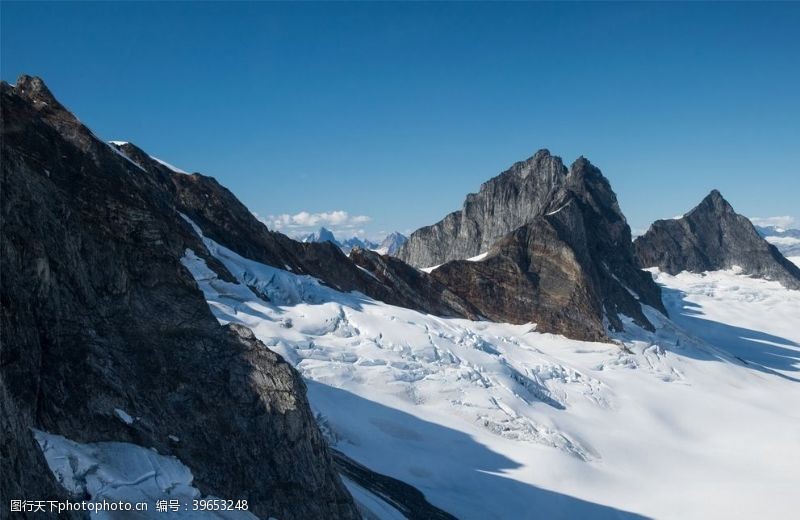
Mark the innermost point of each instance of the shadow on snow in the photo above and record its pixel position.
(755, 349)
(454, 471)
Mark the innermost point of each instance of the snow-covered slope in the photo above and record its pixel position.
(124, 473)
(700, 419)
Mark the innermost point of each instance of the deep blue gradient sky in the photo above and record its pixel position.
(396, 111)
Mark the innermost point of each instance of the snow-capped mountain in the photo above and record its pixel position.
(321, 235)
(525, 366)
(492, 421)
(391, 244)
(325, 235)
(786, 240)
(353, 242)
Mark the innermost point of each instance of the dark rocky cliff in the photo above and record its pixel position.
(549, 272)
(409, 287)
(713, 236)
(98, 313)
(504, 203)
(558, 249)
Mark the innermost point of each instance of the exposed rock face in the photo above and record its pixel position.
(98, 314)
(596, 229)
(503, 204)
(409, 287)
(564, 257)
(713, 236)
(547, 272)
(392, 243)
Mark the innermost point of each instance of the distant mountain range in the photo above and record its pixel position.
(389, 246)
(786, 240)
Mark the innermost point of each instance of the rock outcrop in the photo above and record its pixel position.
(99, 314)
(546, 272)
(596, 231)
(713, 236)
(504, 203)
(558, 251)
(409, 287)
(392, 243)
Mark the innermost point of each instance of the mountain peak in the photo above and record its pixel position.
(716, 198)
(541, 153)
(392, 243)
(34, 89)
(710, 237)
(541, 161)
(713, 203)
(581, 162)
(529, 188)
(323, 234)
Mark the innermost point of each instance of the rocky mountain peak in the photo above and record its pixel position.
(540, 163)
(33, 89)
(321, 235)
(714, 204)
(536, 186)
(33, 92)
(712, 236)
(582, 171)
(392, 243)
(553, 235)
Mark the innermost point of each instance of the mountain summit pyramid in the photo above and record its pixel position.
(553, 247)
(710, 237)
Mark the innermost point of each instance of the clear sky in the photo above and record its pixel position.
(393, 112)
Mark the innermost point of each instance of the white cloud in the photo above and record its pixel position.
(782, 222)
(338, 221)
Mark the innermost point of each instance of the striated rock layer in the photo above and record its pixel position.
(713, 236)
(558, 251)
(98, 314)
(504, 203)
(412, 288)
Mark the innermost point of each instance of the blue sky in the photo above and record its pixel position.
(393, 112)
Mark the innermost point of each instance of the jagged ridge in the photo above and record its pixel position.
(578, 216)
(98, 313)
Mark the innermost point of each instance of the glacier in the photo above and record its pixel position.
(699, 419)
